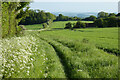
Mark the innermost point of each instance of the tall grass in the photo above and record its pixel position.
(82, 59)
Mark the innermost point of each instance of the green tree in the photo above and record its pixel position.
(91, 18)
(103, 15)
(112, 21)
(68, 25)
(12, 14)
(37, 17)
(79, 25)
(112, 15)
(99, 23)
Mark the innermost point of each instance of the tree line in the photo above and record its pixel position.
(102, 20)
(37, 17)
(66, 18)
(107, 20)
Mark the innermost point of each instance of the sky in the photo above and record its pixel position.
(79, 6)
(76, 0)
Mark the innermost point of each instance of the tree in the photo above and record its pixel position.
(103, 15)
(99, 23)
(66, 18)
(37, 17)
(112, 14)
(118, 15)
(12, 14)
(91, 18)
(112, 21)
(79, 25)
(68, 26)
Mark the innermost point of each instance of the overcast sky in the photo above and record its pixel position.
(76, 0)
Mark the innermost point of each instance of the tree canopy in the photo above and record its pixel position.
(37, 17)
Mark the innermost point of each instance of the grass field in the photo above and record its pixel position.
(59, 24)
(59, 53)
(103, 38)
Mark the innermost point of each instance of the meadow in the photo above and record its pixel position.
(59, 53)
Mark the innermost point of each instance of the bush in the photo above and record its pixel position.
(112, 21)
(107, 22)
(20, 29)
(79, 25)
(45, 25)
(68, 26)
(99, 23)
(91, 18)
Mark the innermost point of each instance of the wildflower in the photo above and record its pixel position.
(12, 69)
(28, 67)
(2, 70)
(45, 75)
(27, 71)
(79, 70)
(46, 67)
(31, 59)
(40, 71)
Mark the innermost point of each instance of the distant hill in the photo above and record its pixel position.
(71, 14)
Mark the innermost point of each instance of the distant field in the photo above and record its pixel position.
(59, 24)
(104, 38)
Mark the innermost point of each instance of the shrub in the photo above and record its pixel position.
(45, 25)
(68, 26)
(20, 29)
(99, 23)
(79, 25)
(112, 21)
(107, 22)
(91, 18)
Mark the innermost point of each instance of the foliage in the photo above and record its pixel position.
(99, 23)
(68, 26)
(102, 15)
(45, 25)
(107, 22)
(91, 18)
(111, 21)
(12, 14)
(37, 17)
(112, 15)
(21, 29)
(66, 18)
(79, 25)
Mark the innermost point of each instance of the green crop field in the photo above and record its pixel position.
(59, 24)
(59, 53)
